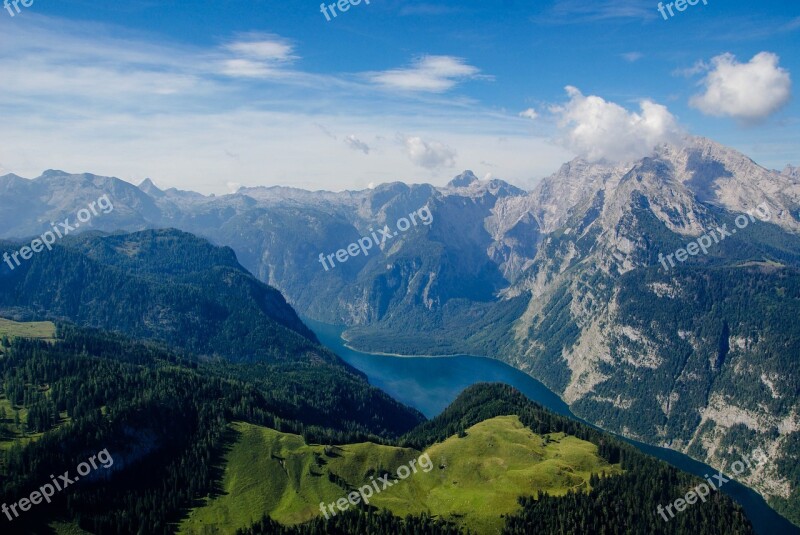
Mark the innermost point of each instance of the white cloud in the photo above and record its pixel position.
(434, 74)
(747, 91)
(698, 67)
(632, 57)
(596, 129)
(257, 56)
(160, 109)
(274, 49)
(356, 144)
(530, 113)
(246, 68)
(430, 155)
(581, 11)
(185, 151)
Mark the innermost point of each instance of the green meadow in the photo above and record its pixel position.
(475, 480)
(43, 330)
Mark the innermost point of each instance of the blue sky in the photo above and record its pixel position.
(212, 95)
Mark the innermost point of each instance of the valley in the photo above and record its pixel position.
(561, 286)
(418, 268)
(429, 384)
(488, 447)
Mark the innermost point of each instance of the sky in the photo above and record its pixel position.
(210, 96)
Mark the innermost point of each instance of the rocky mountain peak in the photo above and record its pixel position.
(576, 183)
(11, 178)
(53, 173)
(725, 177)
(150, 188)
(465, 179)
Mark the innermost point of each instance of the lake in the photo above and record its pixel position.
(429, 384)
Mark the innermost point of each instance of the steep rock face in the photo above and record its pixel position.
(669, 356)
(791, 172)
(720, 175)
(570, 188)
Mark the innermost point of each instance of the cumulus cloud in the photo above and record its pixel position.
(530, 113)
(746, 91)
(433, 74)
(430, 155)
(596, 129)
(356, 144)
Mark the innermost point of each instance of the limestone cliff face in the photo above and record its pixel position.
(689, 358)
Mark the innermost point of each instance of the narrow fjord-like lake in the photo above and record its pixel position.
(429, 384)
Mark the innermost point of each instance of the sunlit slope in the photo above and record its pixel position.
(43, 330)
(473, 481)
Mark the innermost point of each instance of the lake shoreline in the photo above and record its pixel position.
(348, 342)
(431, 383)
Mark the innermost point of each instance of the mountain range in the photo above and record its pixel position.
(239, 421)
(565, 282)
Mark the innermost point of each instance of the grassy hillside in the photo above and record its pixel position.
(42, 330)
(193, 438)
(164, 417)
(64, 528)
(475, 479)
